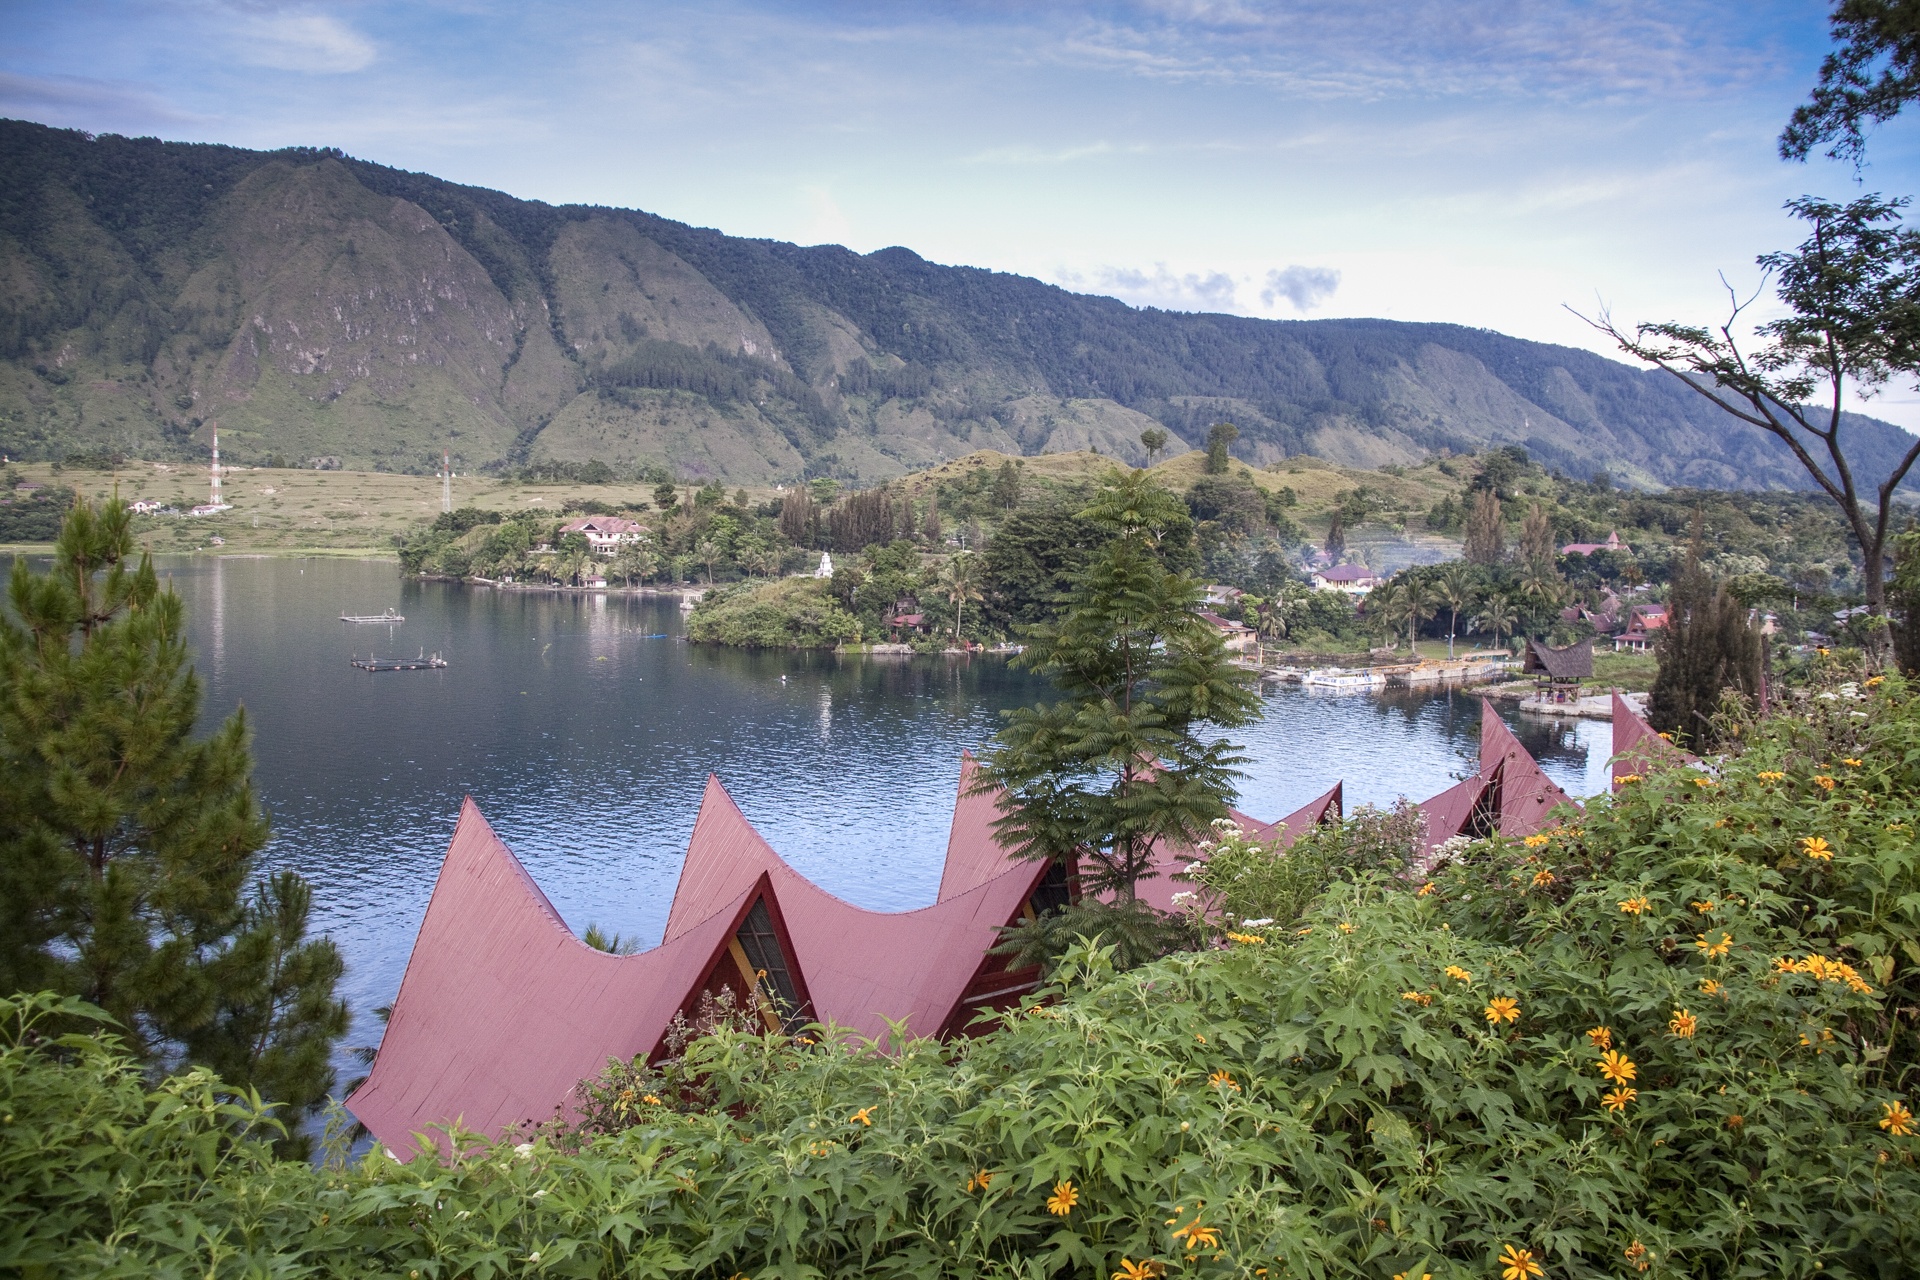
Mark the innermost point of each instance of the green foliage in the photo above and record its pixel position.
(1867, 80)
(1707, 650)
(1331, 1099)
(1220, 437)
(1904, 597)
(1122, 760)
(1129, 931)
(126, 844)
(34, 516)
(789, 613)
(1254, 883)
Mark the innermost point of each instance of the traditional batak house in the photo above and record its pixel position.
(1558, 672)
(503, 1011)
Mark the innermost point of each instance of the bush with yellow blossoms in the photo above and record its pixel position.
(1480, 1078)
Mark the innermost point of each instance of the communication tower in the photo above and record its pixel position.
(446, 481)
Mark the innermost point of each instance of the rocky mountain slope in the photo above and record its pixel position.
(314, 306)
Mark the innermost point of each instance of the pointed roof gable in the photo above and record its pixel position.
(1637, 748)
(974, 852)
(862, 968)
(1527, 794)
(1450, 813)
(1328, 806)
(502, 1010)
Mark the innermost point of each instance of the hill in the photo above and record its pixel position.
(321, 309)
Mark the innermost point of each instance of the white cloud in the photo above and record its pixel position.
(1305, 287)
(1193, 291)
(302, 41)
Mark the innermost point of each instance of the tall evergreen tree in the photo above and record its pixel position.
(1125, 758)
(1219, 438)
(1485, 542)
(1536, 539)
(1336, 544)
(126, 844)
(1709, 646)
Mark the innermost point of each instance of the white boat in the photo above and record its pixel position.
(1343, 679)
(388, 617)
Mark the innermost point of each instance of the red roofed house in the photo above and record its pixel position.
(606, 534)
(1642, 621)
(1612, 543)
(1238, 636)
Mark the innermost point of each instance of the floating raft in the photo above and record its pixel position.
(421, 663)
(388, 616)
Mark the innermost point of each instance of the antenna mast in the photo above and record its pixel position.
(216, 500)
(446, 481)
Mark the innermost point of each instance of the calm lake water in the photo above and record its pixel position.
(585, 727)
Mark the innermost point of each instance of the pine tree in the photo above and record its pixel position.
(1536, 539)
(932, 529)
(1485, 543)
(1219, 437)
(126, 844)
(1123, 759)
(1336, 544)
(1708, 646)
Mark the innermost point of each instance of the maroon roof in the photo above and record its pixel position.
(1328, 806)
(863, 968)
(1348, 573)
(974, 855)
(1223, 624)
(1636, 746)
(502, 1010)
(1527, 795)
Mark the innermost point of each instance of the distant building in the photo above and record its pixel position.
(1642, 621)
(1612, 543)
(144, 507)
(1238, 636)
(606, 534)
(826, 566)
(1353, 579)
(1219, 597)
(1559, 671)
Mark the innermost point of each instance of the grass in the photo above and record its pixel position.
(296, 512)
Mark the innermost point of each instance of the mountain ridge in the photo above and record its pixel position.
(315, 306)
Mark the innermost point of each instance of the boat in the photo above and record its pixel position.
(388, 617)
(421, 663)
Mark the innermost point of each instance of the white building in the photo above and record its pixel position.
(606, 534)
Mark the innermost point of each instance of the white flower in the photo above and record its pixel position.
(1257, 923)
(1183, 895)
(524, 1150)
(534, 1256)
(541, 1192)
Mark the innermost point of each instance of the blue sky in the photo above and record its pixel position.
(1483, 163)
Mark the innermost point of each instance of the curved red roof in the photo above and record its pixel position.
(1637, 747)
(502, 1010)
(1527, 794)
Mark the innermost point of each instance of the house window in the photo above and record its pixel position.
(762, 945)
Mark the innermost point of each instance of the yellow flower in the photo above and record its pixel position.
(1666, 735)
(1770, 775)
(1061, 1202)
(1822, 781)
(1874, 682)
(1602, 1037)
(1418, 997)
(1518, 1264)
(1682, 1024)
(1458, 974)
(1198, 1237)
(1714, 949)
(1637, 1255)
(1616, 1100)
(1224, 1080)
(1628, 777)
(1851, 763)
(650, 1100)
(1705, 908)
(1705, 782)
(863, 1116)
(1897, 1120)
(1246, 939)
(1425, 889)
(1405, 1275)
(1617, 1066)
(1146, 1269)
(1537, 841)
(1817, 848)
(1636, 906)
(1345, 927)
(1712, 988)
(1503, 1009)
(1542, 878)
(981, 1179)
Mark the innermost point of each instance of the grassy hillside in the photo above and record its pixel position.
(314, 306)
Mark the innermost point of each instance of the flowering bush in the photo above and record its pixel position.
(1687, 1053)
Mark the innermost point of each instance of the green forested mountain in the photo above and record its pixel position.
(314, 306)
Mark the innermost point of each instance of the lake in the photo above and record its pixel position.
(585, 727)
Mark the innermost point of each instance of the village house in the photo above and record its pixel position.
(1558, 672)
(1612, 544)
(605, 534)
(1352, 579)
(1642, 621)
(1221, 597)
(1238, 636)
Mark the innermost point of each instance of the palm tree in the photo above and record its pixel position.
(1383, 610)
(707, 552)
(962, 584)
(1453, 592)
(1496, 617)
(1417, 604)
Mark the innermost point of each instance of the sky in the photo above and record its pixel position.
(1489, 164)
